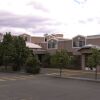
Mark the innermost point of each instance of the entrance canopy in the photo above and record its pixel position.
(87, 48)
(32, 45)
(85, 52)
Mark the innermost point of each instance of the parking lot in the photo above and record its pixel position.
(42, 87)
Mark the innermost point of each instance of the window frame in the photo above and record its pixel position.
(78, 42)
(51, 46)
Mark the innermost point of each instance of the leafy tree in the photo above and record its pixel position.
(94, 60)
(60, 59)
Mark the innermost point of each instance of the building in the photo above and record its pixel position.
(79, 46)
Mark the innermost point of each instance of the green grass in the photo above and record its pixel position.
(2, 69)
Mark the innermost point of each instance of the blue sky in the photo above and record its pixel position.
(37, 17)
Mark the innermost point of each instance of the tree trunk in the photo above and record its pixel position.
(60, 71)
(96, 73)
(6, 65)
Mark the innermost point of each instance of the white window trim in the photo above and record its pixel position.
(75, 37)
(52, 48)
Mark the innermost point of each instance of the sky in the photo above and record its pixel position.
(39, 17)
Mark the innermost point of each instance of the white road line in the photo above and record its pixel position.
(15, 78)
(2, 80)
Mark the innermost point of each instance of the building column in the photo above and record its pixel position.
(30, 38)
(83, 62)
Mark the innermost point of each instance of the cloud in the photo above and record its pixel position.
(12, 20)
(90, 19)
(13, 30)
(29, 24)
(70, 17)
(38, 6)
(80, 1)
(82, 22)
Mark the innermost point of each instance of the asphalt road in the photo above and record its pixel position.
(46, 88)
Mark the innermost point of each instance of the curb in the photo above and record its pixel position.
(77, 78)
(83, 79)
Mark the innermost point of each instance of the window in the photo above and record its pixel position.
(81, 43)
(78, 43)
(74, 44)
(52, 44)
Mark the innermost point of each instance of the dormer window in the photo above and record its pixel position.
(52, 44)
(78, 41)
(81, 43)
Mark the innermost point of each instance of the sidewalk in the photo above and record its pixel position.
(75, 74)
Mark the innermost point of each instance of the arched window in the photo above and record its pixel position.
(52, 43)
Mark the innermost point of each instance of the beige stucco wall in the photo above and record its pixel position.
(37, 39)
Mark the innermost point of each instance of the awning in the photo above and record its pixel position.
(32, 45)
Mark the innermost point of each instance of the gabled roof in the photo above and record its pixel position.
(78, 36)
(24, 34)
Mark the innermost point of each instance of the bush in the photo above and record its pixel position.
(46, 61)
(75, 63)
(15, 68)
(32, 65)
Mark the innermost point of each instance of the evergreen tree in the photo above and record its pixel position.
(21, 52)
(7, 49)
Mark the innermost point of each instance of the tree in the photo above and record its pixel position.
(1, 54)
(60, 59)
(94, 60)
(7, 49)
(46, 60)
(13, 52)
(32, 64)
(21, 53)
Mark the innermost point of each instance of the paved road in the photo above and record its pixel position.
(42, 87)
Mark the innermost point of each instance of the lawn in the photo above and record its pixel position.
(73, 73)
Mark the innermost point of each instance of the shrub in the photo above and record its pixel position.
(75, 63)
(46, 61)
(32, 65)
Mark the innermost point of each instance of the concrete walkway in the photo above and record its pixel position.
(73, 74)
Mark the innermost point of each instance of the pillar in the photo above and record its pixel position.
(83, 62)
(30, 38)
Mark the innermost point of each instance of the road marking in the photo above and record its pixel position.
(52, 74)
(2, 80)
(62, 74)
(15, 78)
